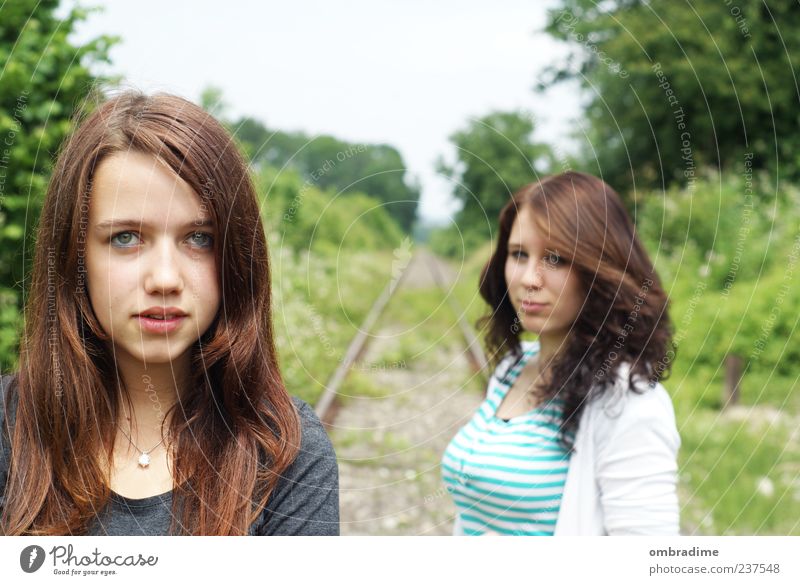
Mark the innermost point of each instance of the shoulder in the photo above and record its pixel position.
(647, 409)
(306, 498)
(313, 431)
(6, 383)
(529, 346)
(510, 359)
(315, 446)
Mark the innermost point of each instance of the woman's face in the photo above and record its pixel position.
(149, 251)
(544, 290)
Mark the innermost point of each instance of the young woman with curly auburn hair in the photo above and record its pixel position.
(576, 434)
(148, 398)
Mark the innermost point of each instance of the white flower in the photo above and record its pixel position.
(765, 487)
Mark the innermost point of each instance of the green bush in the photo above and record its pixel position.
(44, 79)
(306, 218)
(729, 255)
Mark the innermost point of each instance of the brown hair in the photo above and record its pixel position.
(624, 317)
(238, 430)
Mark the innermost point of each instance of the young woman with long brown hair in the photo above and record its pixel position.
(148, 398)
(576, 434)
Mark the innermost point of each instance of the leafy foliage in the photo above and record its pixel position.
(336, 165)
(672, 86)
(732, 273)
(320, 302)
(495, 156)
(43, 80)
(305, 217)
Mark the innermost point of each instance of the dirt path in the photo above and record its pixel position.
(390, 442)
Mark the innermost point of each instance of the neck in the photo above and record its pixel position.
(152, 389)
(550, 345)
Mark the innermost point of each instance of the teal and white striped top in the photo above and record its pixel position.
(508, 476)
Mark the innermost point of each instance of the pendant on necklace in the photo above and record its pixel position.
(144, 460)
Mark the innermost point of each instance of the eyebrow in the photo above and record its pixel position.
(549, 250)
(137, 224)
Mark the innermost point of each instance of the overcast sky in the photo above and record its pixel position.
(407, 73)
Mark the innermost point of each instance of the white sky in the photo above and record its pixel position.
(405, 73)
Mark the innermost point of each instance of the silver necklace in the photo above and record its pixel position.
(144, 456)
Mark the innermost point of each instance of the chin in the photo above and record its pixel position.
(160, 355)
(532, 323)
(539, 327)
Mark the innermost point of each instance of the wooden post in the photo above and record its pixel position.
(733, 380)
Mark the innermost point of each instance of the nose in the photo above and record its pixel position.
(532, 276)
(163, 270)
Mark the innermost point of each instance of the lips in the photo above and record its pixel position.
(533, 307)
(160, 320)
(162, 313)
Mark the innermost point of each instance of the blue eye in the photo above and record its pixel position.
(201, 240)
(124, 239)
(552, 259)
(518, 254)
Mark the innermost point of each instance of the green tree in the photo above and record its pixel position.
(336, 165)
(675, 86)
(305, 218)
(495, 156)
(212, 100)
(43, 80)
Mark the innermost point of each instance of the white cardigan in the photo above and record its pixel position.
(622, 477)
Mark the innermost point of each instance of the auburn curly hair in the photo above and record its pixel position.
(624, 318)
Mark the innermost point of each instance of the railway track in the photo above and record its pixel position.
(328, 405)
(411, 377)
